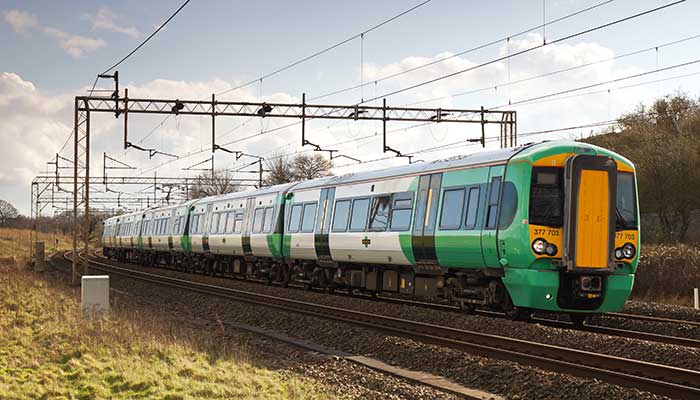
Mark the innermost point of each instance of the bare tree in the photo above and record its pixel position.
(7, 211)
(280, 170)
(212, 184)
(311, 167)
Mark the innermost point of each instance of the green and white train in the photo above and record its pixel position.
(550, 226)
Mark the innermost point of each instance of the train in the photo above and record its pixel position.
(551, 226)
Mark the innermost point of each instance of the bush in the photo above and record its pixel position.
(668, 273)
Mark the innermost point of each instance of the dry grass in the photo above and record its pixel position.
(667, 274)
(15, 242)
(48, 351)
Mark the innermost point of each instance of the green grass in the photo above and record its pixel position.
(48, 351)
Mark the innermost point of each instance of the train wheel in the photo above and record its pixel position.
(519, 314)
(579, 320)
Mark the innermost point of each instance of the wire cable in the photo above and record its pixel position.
(325, 50)
(529, 49)
(461, 53)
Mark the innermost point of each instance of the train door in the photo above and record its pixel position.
(323, 223)
(489, 248)
(425, 218)
(248, 225)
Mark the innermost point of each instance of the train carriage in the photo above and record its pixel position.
(550, 226)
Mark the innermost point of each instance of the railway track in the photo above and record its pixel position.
(660, 379)
(649, 318)
(603, 330)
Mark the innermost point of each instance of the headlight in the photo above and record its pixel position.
(629, 251)
(550, 249)
(539, 245)
(618, 253)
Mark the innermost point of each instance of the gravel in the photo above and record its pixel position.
(668, 354)
(506, 378)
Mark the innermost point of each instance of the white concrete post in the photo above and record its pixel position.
(39, 257)
(696, 293)
(95, 295)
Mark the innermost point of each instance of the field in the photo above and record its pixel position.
(48, 351)
(667, 274)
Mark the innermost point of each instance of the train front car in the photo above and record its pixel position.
(573, 245)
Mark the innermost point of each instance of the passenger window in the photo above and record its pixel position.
(452, 208)
(379, 217)
(401, 211)
(222, 223)
(238, 224)
(472, 208)
(214, 223)
(358, 216)
(295, 218)
(258, 220)
(492, 210)
(340, 215)
(307, 223)
(229, 222)
(267, 226)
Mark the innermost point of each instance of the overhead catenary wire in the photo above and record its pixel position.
(524, 51)
(325, 50)
(580, 33)
(463, 52)
(116, 64)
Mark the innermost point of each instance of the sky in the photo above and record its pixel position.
(52, 51)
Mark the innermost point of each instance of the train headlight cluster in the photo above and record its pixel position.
(541, 246)
(627, 251)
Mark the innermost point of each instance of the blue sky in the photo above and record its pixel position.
(212, 45)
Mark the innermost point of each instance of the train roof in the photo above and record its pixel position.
(468, 160)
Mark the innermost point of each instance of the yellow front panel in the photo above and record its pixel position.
(592, 222)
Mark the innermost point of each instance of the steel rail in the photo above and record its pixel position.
(661, 379)
(598, 329)
(653, 319)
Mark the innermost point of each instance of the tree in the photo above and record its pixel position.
(662, 142)
(282, 169)
(212, 184)
(311, 167)
(7, 212)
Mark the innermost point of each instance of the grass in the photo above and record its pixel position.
(667, 274)
(48, 351)
(15, 242)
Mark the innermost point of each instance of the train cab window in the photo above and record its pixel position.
(258, 220)
(626, 202)
(547, 197)
(295, 218)
(492, 208)
(379, 216)
(452, 208)
(358, 215)
(308, 218)
(401, 210)
(267, 225)
(472, 208)
(341, 215)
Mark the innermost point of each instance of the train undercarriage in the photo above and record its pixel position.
(469, 290)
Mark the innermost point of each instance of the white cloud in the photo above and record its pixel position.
(20, 21)
(105, 19)
(74, 45)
